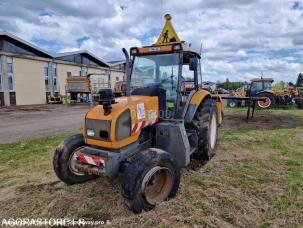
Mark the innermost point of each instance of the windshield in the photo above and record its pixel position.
(149, 70)
(256, 86)
(157, 71)
(267, 85)
(262, 85)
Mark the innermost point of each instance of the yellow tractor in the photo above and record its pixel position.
(152, 132)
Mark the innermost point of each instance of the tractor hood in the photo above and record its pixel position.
(121, 104)
(122, 126)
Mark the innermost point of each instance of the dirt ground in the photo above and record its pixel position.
(38, 121)
(261, 121)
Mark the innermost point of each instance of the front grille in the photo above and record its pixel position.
(101, 129)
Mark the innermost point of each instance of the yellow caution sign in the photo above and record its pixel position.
(168, 34)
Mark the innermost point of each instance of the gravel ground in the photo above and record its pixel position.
(38, 121)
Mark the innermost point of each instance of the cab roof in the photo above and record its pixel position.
(262, 80)
(164, 48)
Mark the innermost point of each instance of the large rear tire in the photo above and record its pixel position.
(65, 158)
(153, 177)
(268, 103)
(205, 122)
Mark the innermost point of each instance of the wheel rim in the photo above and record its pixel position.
(232, 104)
(265, 104)
(213, 131)
(72, 163)
(157, 184)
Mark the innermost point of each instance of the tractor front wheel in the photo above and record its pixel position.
(65, 159)
(151, 178)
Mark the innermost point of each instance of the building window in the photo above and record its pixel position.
(46, 77)
(10, 74)
(83, 71)
(117, 78)
(69, 74)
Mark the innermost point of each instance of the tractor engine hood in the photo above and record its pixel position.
(122, 126)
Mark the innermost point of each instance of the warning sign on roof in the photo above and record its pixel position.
(168, 34)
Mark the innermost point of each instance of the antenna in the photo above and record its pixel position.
(201, 48)
(161, 14)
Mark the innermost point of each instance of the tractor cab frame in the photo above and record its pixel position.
(174, 69)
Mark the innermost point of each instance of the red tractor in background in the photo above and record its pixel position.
(262, 87)
(259, 87)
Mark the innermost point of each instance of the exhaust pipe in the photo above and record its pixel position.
(127, 71)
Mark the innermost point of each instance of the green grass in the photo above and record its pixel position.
(29, 150)
(29, 158)
(284, 166)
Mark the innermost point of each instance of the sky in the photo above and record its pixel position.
(241, 39)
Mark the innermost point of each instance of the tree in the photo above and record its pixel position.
(227, 83)
(299, 80)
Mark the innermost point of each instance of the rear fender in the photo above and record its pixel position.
(193, 103)
(266, 91)
(196, 99)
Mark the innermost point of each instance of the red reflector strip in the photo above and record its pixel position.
(137, 127)
(91, 160)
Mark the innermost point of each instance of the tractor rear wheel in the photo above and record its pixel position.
(65, 159)
(205, 122)
(268, 102)
(151, 178)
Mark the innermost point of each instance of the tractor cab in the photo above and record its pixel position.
(259, 84)
(169, 71)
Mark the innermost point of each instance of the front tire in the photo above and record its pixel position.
(205, 122)
(65, 158)
(153, 177)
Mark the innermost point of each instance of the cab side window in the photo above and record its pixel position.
(187, 80)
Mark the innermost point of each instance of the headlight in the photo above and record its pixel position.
(98, 129)
(123, 125)
(90, 132)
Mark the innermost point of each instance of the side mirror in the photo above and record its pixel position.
(193, 64)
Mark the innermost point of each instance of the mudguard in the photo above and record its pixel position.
(195, 99)
(266, 91)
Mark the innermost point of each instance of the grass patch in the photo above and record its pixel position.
(29, 150)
